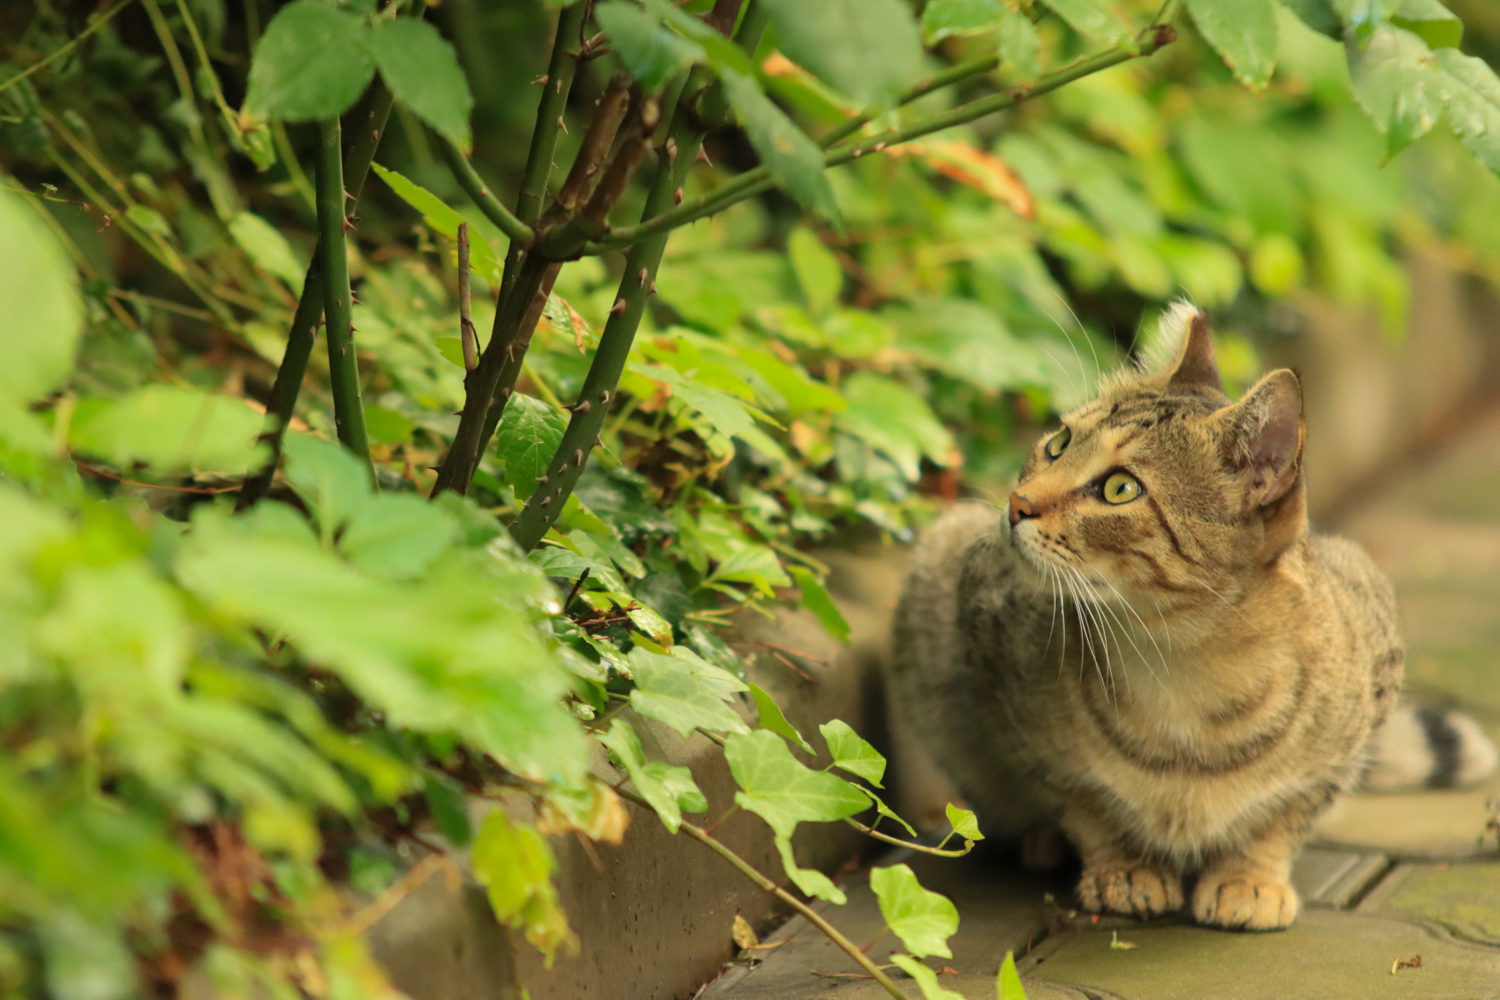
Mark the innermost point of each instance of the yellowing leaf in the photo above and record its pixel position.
(974, 167)
(515, 865)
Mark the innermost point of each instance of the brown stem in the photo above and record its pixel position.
(465, 313)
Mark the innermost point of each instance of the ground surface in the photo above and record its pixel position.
(1389, 878)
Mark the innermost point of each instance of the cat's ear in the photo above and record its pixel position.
(1263, 435)
(1195, 369)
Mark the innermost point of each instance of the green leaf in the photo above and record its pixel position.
(897, 421)
(924, 920)
(422, 70)
(670, 789)
(926, 979)
(1438, 26)
(1020, 48)
(331, 481)
(684, 694)
(527, 438)
(773, 719)
(811, 881)
(1318, 15)
(1243, 33)
(515, 865)
(783, 792)
(1008, 982)
(651, 53)
(170, 428)
(445, 801)
(817, 270)
(943, 18)
(268, 248)
(442, 219)
(795, 161)
(964, 823)
(39, 300)
(815, 598)
(1093, 19)
(889, 813)
(851, 753)
(869, 49)
(1474, 111)
(313, 62)
(396, 537)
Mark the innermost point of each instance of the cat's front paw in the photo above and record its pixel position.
(1243, 902)
(1132, 889)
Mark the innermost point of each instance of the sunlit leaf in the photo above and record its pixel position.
(170, 428)
(809, 880)
(1095, 20)
(1008, 982)
(515, 865)
(670, 789)
(926, 979)
(781, 790)
(396, 536)
(851, 753)
(774, 720)
(683, 694)
(39, 299)
(1243, 32)
(924, 920)
(330, 480)
(1438, 26)
(442, 219)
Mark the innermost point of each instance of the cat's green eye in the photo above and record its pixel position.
(1058, 443)
(1121, 487)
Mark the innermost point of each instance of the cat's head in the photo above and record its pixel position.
(1162, 485)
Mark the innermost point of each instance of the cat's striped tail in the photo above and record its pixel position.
(1429, 748)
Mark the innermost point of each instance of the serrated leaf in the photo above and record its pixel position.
(421, 68)
(924, 920)
(816, 599)
(783, 792)
(683, 694)
(268, 248)
(1243, 33)
(1020, 48)
(649, 52)
(312, 62)
(396, 537)
(851, 753)
(964, 822)
(868, 49)
(669, 789)
(817, 269)
(1435, 24)
(1474, 113)
(330, 480)
(795, 161)
(442, 219)
(1093, 19)
(925, 978)
(1008, 981)
(944, 18)
(773, 719)
(811, 881)
(527, 438)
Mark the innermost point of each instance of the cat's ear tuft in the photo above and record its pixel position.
(1195, 369)
(1264, 435)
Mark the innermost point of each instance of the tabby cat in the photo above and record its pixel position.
(1160, 660)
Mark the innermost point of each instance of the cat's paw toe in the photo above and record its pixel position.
(1139, 890)
(1241, 902)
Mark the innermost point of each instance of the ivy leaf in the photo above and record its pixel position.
(528, 436)
(1093, 19)
(651, 53)
(1008, 982)
(815, 598)
(795, 161)
(396, 537)
(774, 720)
(782, 791)
(868, 49)
(964, 822)
(683, 694)
(313, 62)
(889, 813)
(1243, 33)
(924, 920)
(1435, 24)
(421, 68)
(811, 881)
(670, 789)
(851, 753)
(926, 979)
(943, 18)
(515, 865)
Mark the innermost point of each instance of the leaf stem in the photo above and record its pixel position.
(766, 885)
(474, 187)
(920, 848)
(757, 180)
(953, 74)
(338, 305)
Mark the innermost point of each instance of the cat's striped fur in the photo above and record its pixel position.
(1181, 682)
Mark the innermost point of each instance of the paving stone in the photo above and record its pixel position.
(1330, 877)
(1326, 954)
(1462, 897)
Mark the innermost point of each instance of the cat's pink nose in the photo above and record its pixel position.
(1020, 507)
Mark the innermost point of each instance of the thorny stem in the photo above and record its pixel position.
(920, 848)
(338, 305)
(753, 182)
(766, 885)
(465, 315)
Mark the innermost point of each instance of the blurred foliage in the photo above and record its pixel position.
(227, 733)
